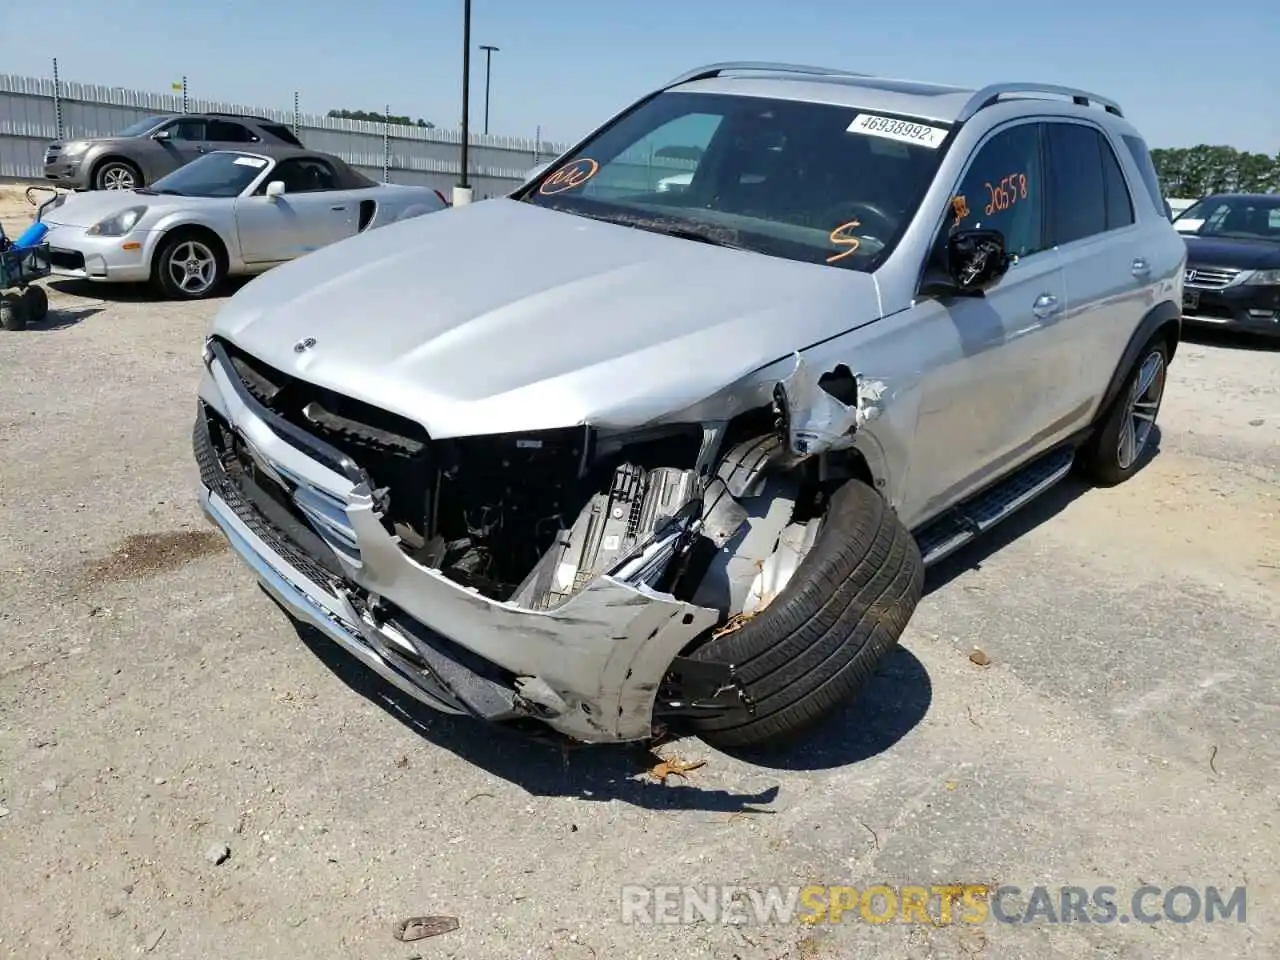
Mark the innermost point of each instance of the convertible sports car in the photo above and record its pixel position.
(227, 213)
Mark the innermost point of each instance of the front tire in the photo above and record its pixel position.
(1116, 450)
(189, 265)
(117, 175)
(817, 643)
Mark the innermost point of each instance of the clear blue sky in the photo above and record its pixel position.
(567, 66)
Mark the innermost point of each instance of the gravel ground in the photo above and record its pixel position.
(160, 715)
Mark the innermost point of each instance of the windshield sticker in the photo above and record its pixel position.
(254, 162)
(569, 177)
(904, 131)
(960, 206)
(1006, 193)
(840, 237)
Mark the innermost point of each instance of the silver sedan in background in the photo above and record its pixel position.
(227, 213)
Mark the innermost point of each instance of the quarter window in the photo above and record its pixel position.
(1119, 201)
(1002, 190)
(1150, 179)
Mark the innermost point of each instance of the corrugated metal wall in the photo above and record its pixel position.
(29, 120)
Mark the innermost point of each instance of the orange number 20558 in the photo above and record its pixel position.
(1006, 193)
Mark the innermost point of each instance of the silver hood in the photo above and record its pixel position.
(87, 208)
(502, 316)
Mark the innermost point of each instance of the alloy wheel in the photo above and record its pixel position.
(118, 177)
(192, 267)
(1141, 410)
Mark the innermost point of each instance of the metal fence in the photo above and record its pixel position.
(36, 110)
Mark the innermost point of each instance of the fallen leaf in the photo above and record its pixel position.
(666, 768)
(980, 658)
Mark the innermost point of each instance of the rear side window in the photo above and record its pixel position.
(1142, 157)
(227, 132)
(1077, 191)
(1119, 202)
(281, 133)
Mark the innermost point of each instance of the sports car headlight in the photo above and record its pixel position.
(1268, 278)
(118, 224)
(74, 148)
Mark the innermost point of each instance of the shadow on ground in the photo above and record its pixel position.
(1231, 339)
(543, 769)
(134, 292)
(60, 318)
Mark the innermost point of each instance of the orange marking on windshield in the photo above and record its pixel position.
(570, 176)
(961, 207)
(840, 237)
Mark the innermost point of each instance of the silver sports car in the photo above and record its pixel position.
(227, 213)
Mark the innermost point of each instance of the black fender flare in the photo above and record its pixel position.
(1165, 318)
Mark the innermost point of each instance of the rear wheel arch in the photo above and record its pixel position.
(1163, 321)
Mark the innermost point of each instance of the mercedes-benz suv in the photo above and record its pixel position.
(611, 455)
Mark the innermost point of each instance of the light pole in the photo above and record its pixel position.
(462, 192)
(489, 51)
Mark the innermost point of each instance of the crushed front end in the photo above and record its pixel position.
(503, 577)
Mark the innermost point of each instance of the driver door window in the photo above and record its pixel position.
(306, 175)
(1003, 190)
(664, 161)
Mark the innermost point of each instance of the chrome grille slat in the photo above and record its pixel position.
(1200, 277)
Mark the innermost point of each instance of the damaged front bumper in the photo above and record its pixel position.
(597, 668)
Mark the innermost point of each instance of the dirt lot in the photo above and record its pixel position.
(156, 705)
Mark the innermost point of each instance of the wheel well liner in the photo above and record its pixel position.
(1164, 319)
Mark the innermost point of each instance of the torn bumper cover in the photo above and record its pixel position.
(305, 518)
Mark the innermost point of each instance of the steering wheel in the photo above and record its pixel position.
(874, 221)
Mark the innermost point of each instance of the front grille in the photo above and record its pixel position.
(66, 259)
(1209, 278)
(288, 536)
(394, 451)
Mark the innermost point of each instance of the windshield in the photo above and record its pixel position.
(140, 127)
(805, 181)
(1245, 218)
(218, 174)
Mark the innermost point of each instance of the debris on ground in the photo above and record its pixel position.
(218, 854)
(979, 657)
(419, 928)
(663, 769)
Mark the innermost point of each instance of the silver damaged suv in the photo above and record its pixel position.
(669, 435)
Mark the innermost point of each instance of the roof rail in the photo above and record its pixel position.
(757, 66)
(990, 95)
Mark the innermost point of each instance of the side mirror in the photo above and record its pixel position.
(275, 189)
(165, 134)
(976, 259)
(1168, 210)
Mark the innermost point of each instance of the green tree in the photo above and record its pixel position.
(372, 116)
(1195, 171)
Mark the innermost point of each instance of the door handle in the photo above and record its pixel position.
(1046, 305)
(1140, 267)
(339, 209)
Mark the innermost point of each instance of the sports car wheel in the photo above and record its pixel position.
(188, 266)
